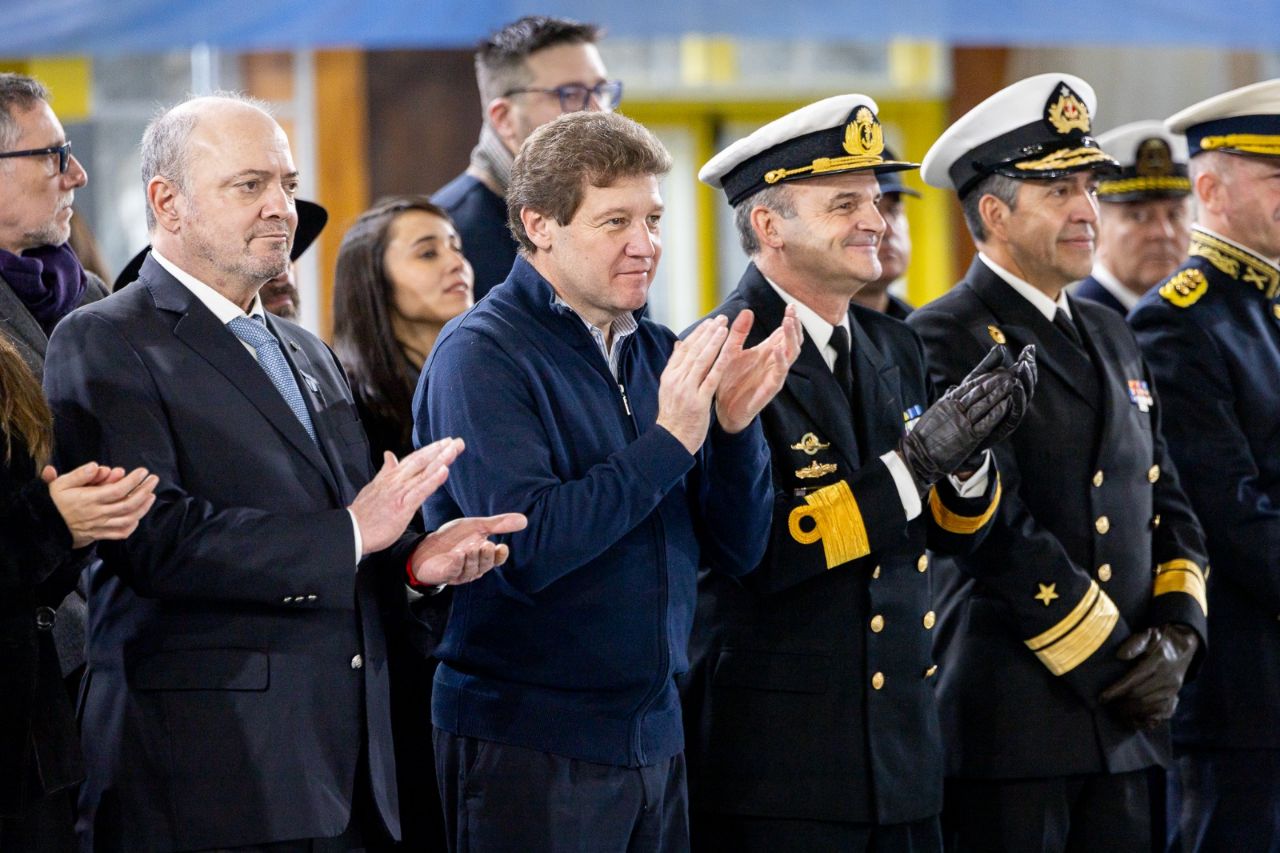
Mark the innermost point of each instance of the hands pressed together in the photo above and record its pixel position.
(100, 502)
(983, 410)
(459, 551)
(1148, 693)
(711, 365)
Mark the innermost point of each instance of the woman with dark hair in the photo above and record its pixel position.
(401, 276)
(47, 523)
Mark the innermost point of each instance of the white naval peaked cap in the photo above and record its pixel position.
(1153, 163)
(831, 136)
(1040, 127)
(1242, 121)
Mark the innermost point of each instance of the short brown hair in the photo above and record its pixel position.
(561, 158)
(500, 59)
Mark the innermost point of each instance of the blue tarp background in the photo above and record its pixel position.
(142, 26)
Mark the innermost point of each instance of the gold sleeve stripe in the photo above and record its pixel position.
(964, 524)
(1182, 576)
(837, 521)
(1083, 640)
(1072, 619)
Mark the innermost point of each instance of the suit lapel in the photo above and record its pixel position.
(200, 330)
(19, 320)
(809, 381)
(877, 408)
(1022, 323)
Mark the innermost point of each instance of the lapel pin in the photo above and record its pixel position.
(810, 444)
(816, 469)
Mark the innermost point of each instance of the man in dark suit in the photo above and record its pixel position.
(1211, 333)
(1144, 215)
(1064, 638)
(809, 707)
(237, 688)
(41, 280)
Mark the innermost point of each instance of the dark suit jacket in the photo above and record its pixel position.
(236, 656)
(1212, 336)
(1092, 290)
(1030, 623)
(39, 742)
(811, 693)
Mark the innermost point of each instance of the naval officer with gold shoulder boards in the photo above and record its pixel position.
(810, 716)
(1064, 638)
(1211, 334)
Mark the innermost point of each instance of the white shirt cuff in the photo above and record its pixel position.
(355, 528)
(977, 484)
(908, 493)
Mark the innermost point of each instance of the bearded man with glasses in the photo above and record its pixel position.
(528, 73)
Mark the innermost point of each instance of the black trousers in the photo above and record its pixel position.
(735, 834)
(499, 798)
(1230, 800)
(48, 825)
(1099, 813)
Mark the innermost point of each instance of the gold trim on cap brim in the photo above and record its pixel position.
(836, 165)
(1167, 183)
(1068, 158)
(1265, 144)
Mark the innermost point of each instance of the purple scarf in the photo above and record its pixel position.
(49, 280)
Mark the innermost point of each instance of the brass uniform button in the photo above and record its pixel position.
(1275, 309)
(1104, 572)
(1097, 479)
(875, 573)
(928, 673)
(1153, 474)
(1155, 522)
(877, 623)
(922, 563)
(1102, 525)
(929, 619)
(877, 680)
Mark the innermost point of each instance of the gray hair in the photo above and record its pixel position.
(17, 90)
(777, 198)
(164, 142)
(1000, 186)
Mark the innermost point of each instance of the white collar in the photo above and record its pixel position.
(1126, 297)
(818, 329)
(222, 307)
(1027, 291)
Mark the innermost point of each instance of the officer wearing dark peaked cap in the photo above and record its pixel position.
(1211, 333)
(809, 707)
(1064, 638)
(1144, 221)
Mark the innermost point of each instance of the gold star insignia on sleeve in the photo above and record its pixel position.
(1047, 593)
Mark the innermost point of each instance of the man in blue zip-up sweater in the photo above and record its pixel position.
(557, 720)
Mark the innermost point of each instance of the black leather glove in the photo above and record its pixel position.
(972, 416)
(1148, 693)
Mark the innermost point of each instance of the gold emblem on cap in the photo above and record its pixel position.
(1068, 112)
(810, 444)
(996, 334)
(863, 136)
(815, 470)
(1154, 158)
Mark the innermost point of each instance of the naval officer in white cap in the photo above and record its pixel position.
(811, 722)
(1211, 334)
(1144, 219)
(1061, 650)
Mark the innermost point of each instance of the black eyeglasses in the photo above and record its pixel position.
(63, 151)
(575, 96)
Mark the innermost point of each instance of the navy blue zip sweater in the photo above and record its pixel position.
(573, 645)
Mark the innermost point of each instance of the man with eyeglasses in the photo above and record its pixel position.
(41, 281)
(528, 73)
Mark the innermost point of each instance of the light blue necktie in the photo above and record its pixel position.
(253, 331)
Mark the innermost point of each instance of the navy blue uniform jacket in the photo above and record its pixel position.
(1211, 334)
(1094, 540)
(812, 689)
(572, 646)
(224, 704)
(480, 215)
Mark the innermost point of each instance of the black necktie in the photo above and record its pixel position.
(843, 370)
(1068, 328)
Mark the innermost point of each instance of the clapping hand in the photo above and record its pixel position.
(752, 377)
